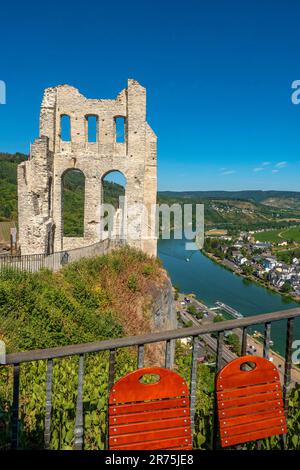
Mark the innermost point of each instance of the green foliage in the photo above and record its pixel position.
(287, 287)
(8, 184)
(204, 395)
(132, 282)
(234, 342)
(247, 269)
(83, 302)
(191, 308)
(218, 318)
(148, 269)
(286, 256)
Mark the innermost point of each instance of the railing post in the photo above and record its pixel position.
(287, 370)
(267, 337)
(244, 342)
(219, 356)
(15, 408)
(111, 379)
(47, 433)
(193, 381)
(140, 356)
(168, 354)
(78, 432)
(111, 373)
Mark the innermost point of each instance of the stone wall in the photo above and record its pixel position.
(40, 178)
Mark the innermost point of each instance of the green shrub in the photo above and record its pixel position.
(132, 282)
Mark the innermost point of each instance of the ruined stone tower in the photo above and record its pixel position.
(40, 179)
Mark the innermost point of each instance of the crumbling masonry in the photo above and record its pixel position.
(40, 179)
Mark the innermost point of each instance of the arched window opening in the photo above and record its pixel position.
(92, 128)
(65, 128)
(73, 189)
(120, 129)
(113, 192)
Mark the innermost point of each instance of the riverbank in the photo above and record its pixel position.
(233, 268)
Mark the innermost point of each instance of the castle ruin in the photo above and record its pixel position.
(40, 179)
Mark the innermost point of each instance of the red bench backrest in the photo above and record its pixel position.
(150, 416)
(249, 402)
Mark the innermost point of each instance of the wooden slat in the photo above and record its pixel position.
(249, 418)
(160, 424)
(252, 436)
(252, 378)
(230, 412)
(148, 415)
(155, 405)
(157, 444)
(130, 389)
(250, 399)
(243, 391)
(143, 437)
(231, 376)
(257, 425)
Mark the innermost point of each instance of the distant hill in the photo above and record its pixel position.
(255, 195)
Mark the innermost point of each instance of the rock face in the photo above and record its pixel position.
(164, 318)
(40, 179)
(163, 307)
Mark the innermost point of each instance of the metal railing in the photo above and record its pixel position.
(194, 333)
(55, 261)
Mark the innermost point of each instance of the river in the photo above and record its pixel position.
(211, 282)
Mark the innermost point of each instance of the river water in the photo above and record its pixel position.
(211, 282)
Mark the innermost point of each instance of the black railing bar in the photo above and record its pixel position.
(78, 431)
(267, 338)
(75, 349)
(15, 408)
(288, 362)
(220, 344)
(287, 374)
(244, 342)
(111, 379)
(193, 381)
(48, 411)
(111, 371)
(140, 361)
(168, 355)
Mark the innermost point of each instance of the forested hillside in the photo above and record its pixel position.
(232, 210)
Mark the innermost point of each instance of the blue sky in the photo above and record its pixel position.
(218, 75)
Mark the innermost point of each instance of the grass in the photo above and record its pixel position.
(291, 234)
(269, 236)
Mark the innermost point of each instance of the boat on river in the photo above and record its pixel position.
(229, 309)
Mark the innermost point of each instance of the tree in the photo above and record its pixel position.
(286, 287)
(218, 318)
(192, 309)
(234, 342)
(247, 269)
